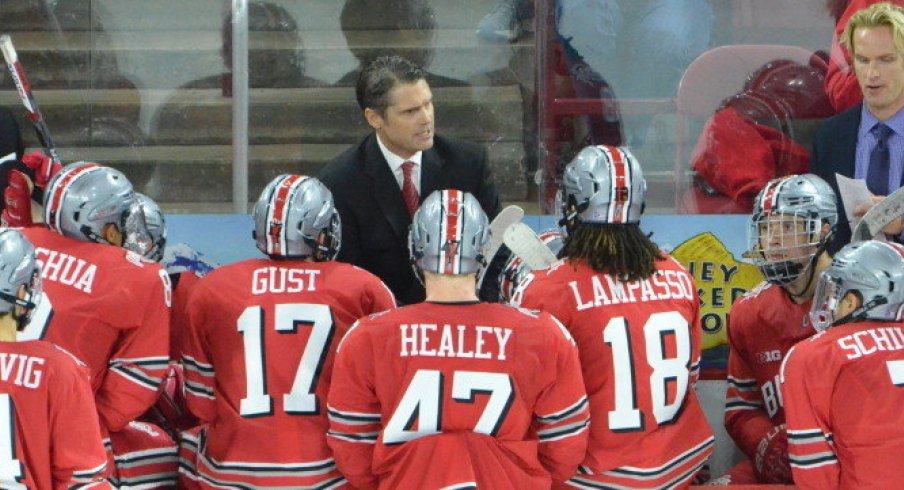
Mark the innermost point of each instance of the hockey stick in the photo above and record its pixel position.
(28, 99)
(879, 216)
(525, 243)
(491, 252)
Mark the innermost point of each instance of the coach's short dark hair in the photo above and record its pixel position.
(381, 76)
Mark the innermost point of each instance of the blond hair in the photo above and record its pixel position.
(876, 15)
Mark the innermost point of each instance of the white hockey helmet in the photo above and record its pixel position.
(18, 268)
(156, 225)
(295, 218)
(784, 231)
(448, 233)
(872, 270)
(83, 198)
(605, 184)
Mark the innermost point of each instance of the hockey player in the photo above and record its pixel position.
(791, 225)
(452, 392)
(844, 387)
(51, 437)
(109, 307)
(634, 313)
(258, 352)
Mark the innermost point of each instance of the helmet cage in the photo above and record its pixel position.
(784, 232)
(784, 245)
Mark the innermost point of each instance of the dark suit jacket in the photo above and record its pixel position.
(374, 219)
(10, 136)
(834, 149)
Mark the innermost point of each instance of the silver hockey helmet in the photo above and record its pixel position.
(83, 198)
(156, 225)
(872, 270)
(448, 233)
(785, 229)
(18, 269)
(295, 218)
(603, 184)
(515, 270)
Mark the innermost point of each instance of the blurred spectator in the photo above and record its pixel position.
(414, 19)
(641, 47)
(268, 67)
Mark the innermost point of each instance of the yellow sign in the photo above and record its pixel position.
(720, 279)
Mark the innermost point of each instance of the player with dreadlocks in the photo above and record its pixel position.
(633, 312)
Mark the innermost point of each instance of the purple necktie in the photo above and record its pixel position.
(879, 161)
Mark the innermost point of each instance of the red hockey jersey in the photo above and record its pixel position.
(844, 393)
(49, 433)
(110, 308)
(457, 395)
(639, 344)
(763, 326)
(258, 359)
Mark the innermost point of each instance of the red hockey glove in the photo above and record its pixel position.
(43, 167)
(771, 464)
(34, 173)
(17, 200)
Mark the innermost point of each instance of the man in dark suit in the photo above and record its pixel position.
(867, 141)
(378, 183)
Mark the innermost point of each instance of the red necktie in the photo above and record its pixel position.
(409, 192)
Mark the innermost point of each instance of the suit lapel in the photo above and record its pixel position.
(385, 188)
(847, 153)
(433, 176)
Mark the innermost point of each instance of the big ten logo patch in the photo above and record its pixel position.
(720, 279)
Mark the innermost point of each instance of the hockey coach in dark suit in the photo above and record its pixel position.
(379, 183)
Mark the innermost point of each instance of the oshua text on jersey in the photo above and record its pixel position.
(603, 289)
(472, 342)
(66, 269)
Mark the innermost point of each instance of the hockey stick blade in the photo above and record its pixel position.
(507, 217)
(525, 243)
(879, 216)
(27, 97)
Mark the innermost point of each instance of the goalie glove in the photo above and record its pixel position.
(23, 180)
(771, 464)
